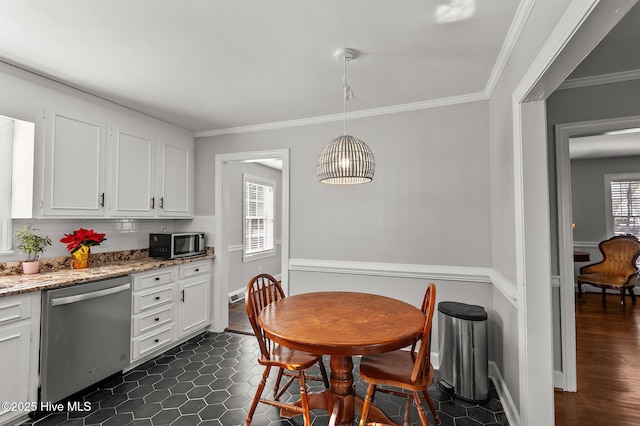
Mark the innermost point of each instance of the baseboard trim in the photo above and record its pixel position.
(559, 381)
(510, 409)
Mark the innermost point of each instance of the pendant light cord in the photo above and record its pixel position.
(348, 95)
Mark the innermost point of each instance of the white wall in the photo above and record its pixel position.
(588, 194)
(556, 37)
(530, 386)
(428, 202)
(425, 217)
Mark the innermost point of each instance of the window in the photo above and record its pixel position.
(623, 204)
(259, 217)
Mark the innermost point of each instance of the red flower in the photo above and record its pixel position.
(82, 237)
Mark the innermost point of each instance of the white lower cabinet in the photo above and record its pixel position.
(19, 342)
(169, 303)
(195, 289)
(153, 323)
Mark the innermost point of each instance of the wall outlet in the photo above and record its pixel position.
(259, 269)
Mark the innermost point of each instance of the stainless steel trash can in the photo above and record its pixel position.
(462, 344)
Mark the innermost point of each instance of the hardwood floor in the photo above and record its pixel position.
(608, 345)
(608, 361)
(238, 321)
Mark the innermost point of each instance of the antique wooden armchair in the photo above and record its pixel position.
(617, 269)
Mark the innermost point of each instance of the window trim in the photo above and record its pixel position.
(6, 162)
(247, 178)
(608, 178)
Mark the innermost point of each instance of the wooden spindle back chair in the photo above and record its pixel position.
(261, 291)
(410, 371)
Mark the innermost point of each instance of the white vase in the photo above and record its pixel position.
(31, 267)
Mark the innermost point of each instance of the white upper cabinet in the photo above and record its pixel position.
(74, 164)
(175, 177)
(151, 177)
(98, 163)
(133, 173)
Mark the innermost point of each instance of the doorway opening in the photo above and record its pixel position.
(568, 136)
(231, 273)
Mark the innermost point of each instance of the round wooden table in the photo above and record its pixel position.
(342, 324)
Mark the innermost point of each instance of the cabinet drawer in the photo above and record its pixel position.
(165, 276)
(152, 341)
(194, 269)
(153, 298)
(14, 308)
(143, 323)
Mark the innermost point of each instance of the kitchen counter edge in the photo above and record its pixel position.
(17, 284)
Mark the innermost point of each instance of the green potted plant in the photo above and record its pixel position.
(33, 245)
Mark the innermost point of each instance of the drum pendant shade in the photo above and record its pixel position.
(346, 160)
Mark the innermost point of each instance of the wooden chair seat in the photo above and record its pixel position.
(605, 279)
(291, 359)
(393, 369)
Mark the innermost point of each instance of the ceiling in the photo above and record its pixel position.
(211, 65)
(214, 64)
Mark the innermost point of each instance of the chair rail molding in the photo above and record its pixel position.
(406, 270)
(586, 244)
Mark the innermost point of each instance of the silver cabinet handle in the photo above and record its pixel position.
(91, 295)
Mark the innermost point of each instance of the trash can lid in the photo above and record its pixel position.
(463, 311)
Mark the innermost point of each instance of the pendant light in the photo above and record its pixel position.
(346, 159)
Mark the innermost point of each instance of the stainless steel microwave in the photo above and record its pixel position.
(175, 245)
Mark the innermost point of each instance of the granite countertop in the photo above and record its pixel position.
(59, 277)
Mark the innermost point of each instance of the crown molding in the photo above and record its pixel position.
(393, 109)
(517, 25)
(595, 80)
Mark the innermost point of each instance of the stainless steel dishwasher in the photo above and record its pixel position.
(86, 336)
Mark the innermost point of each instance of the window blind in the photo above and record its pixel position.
(625, 206)
(259, 217)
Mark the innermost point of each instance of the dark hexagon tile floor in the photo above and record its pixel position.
(211, 380)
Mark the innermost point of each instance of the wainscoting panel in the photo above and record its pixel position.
(408, 282)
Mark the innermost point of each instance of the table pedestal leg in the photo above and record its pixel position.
(342, 386)
(341, 379)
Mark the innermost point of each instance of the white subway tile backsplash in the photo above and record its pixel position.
(122, 234)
